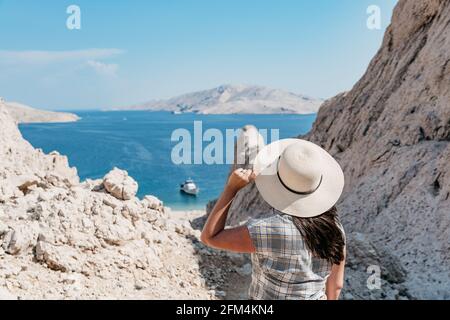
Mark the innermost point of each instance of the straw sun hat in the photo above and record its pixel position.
(298, 177)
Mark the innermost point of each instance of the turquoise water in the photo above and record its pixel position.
(140, 142)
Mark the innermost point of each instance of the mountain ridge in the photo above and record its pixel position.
(234, 99)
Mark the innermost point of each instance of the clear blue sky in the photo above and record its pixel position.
(130, 51)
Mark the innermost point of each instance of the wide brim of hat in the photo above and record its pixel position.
(278, 197)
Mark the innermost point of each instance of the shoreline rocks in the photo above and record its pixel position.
(120, 185)
(65, 239)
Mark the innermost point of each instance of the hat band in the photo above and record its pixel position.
(294, 191)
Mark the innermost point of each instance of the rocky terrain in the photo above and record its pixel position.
(236, 99)
(25, 114)
(62, 238)
(391, 134)
(65, 239)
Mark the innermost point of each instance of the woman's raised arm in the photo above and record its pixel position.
(214, 233)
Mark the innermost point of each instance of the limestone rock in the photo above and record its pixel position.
(247, 147)
(3, 228)
(248, 144)
(153, 203)
(120, 185)
(6, 295)
(20, 238)
(62, 239)
(59, 258)
(362, 252)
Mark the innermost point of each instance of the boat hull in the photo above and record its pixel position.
(190, 192)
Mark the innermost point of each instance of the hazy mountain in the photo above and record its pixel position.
(232, 99)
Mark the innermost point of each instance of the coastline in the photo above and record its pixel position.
(24, 114)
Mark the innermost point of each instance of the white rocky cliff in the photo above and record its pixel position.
(62, 239)
(236, 99)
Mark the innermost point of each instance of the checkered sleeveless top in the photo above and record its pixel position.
(283, 268)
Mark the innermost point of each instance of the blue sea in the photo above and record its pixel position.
(140, 142)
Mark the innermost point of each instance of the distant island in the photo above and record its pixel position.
(24, 114)
(235, 99)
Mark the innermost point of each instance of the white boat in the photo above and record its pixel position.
(189, 187)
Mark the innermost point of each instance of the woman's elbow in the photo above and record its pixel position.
(339, 285)
(205, 239)
(335, 284)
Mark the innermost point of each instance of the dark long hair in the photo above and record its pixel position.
(323, 236)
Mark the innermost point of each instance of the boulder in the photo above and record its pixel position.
(248, 144)
(119, 184)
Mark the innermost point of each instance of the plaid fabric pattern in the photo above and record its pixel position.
(283, 268)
